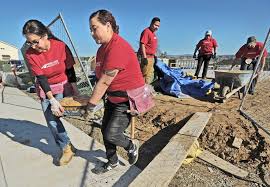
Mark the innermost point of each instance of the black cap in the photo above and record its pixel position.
(251, 39)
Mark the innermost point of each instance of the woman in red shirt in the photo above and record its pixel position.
(51, 62)
(117, 70)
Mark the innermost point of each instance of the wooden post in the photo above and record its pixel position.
(132, 127)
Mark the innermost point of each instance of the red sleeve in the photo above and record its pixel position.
(144, 37)
(69, 58)
(214, 43)
(115, 59)
(260, 49)
(240, 52)
(34, 67)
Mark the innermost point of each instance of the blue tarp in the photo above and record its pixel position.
(175, 83)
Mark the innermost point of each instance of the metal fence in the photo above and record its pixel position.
(83, 73)
(60, 30)
(256, 107)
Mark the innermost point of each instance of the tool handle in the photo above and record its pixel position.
(132, 127)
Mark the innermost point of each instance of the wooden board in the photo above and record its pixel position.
(75, 101)
(196, 124)
(233, 92)
(164, 166)
(222, 164)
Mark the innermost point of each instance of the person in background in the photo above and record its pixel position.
(249, 54)
(51, 62)
(117, 70)
(148, 49)
(207, 49)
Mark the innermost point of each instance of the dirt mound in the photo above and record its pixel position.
(158, 126)
(225, 125)
(155, 129)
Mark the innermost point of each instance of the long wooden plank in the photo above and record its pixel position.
(222, 164)
(196, 124)
(164, 166)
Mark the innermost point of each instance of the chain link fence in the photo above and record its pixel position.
(257, 107)
(59, 29)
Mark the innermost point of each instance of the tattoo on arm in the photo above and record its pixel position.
(111, 73)
(106, 83)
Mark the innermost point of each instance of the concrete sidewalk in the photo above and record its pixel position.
(28, 150)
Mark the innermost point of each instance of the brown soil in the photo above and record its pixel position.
(258, 106)
(156, 128)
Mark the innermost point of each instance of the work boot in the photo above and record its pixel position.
(133, 153)
(67, 154)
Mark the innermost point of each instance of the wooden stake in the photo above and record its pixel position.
(132, 127)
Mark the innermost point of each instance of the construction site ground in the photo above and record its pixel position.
(156, 128)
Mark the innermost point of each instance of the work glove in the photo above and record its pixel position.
(89, 109)
(144, 61)
(194, 55)
(56, 107)
(214, 56)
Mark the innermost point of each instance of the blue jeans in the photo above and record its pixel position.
(54, 123)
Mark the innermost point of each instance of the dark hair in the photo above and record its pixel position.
(105, 16)
(251, 39)
(154, 20)
(36, 27)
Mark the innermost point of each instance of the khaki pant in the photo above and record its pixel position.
(148, 71)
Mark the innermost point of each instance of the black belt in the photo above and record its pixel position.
(117, 94)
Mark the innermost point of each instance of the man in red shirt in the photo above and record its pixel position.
(207, 48)
(148, 49)
(248, 54)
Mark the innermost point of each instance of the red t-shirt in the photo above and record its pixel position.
(150, 41)
(51, 63)
(245, 52)
(206, 46)
(118, 54)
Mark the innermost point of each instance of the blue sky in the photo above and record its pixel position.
(183, 22)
